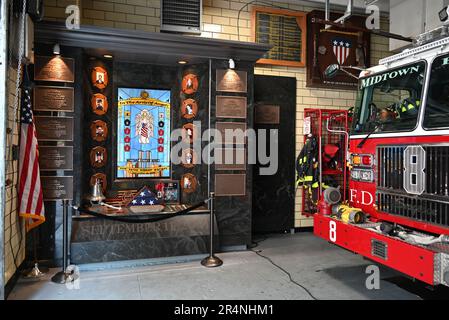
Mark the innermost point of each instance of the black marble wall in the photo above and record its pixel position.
(234, 212)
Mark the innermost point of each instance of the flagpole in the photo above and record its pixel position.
(61, 276)
(36, 271)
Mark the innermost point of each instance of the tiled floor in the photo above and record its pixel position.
(327, 271)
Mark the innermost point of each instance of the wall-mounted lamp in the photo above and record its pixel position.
(56, 49)
(231, 64)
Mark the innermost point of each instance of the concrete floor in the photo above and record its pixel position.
(327, 271)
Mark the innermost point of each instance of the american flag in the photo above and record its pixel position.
(31, 205)
(144, 198)
(342, 48)
(144, 130)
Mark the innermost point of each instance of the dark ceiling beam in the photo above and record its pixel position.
(140, 42)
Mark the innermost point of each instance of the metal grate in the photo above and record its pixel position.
(379, 249)
(181, 15)
(432, 205)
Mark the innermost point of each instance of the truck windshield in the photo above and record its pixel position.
(437, 106)
(390, 101)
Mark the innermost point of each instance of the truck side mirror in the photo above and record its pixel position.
(331, 71)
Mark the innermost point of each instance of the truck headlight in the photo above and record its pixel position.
(362, 175)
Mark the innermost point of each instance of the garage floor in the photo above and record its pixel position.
(328, 272)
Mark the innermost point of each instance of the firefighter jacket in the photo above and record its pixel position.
(307, 164)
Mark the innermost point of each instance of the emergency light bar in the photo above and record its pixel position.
(411, 52)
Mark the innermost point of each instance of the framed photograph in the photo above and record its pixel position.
(189, 109)
(100, 77)
(189, 158)
(99, 104)
(188, 183)
(189, 133)
(98, 157)
(189, 83)
(99, 130)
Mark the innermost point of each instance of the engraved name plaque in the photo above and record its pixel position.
(267, 114)
(231, 107)
(54, 128)
(56, 69)
(231, 81)
(230, 185)
(55, 158)
(57, 188)
(230, 159)
(232, 132)
(53, 98)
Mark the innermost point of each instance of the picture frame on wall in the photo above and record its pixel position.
(289, 47)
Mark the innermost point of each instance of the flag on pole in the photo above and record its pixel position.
(31, 205)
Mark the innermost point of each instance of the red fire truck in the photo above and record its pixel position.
(399, 165)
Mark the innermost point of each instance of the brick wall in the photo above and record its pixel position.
(14, 228)
(220, 21)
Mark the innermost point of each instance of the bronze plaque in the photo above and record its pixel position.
(237, 137)
(55, 158)
(231, 107)
(56, 69)
(267, 114)
(54, 128)
(53, 99)
(230, 185)
(98, 157)
(188, 183)
(231, 159)
(231, 81)
(57, 188)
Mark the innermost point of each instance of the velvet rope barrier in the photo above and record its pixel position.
(141, 220)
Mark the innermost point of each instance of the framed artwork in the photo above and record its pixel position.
(189, 83)
(99, 130)
(189, 109)
(189, 133)
(343, 46)
(101, 178)
(99, 77)
(188, 183)
(285, 30)
(143, 133)
(189, 158)
(99, 104)
(98, 157)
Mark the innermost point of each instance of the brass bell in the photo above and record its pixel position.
(96, 195)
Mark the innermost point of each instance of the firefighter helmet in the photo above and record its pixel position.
(409, 108)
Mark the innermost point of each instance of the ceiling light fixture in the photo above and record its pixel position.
(56, 49)
(107, 56)
(182, 62)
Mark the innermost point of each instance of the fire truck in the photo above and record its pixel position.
(398, 161)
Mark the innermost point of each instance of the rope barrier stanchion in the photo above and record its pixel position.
(212, 260)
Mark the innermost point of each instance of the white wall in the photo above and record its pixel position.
(410, 18)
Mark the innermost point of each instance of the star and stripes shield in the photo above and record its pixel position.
(144, 197)
(342, 49)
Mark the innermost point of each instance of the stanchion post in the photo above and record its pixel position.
(61, 276)
(211, 260)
